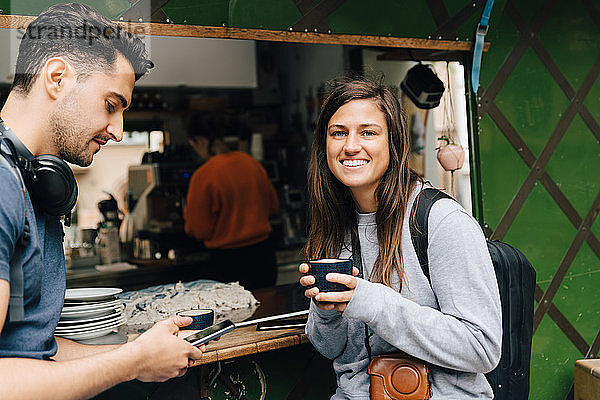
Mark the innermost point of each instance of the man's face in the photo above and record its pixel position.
(91, 113)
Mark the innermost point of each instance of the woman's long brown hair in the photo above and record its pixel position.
(332, 210)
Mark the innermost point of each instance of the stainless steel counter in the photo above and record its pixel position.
(157, 272)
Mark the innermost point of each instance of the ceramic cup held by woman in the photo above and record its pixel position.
(361, 186)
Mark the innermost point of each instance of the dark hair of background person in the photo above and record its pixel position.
(206, 125)
(332, 210)
(80, 34)
(217, 125)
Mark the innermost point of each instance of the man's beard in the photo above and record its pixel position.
(68, 133)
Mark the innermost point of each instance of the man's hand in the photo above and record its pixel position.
(161, 354)
(329, 300)
(156, 355)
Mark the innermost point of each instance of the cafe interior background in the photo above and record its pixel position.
(277, 89)
(530, 134)
(273, 88)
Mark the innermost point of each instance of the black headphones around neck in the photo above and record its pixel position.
(49, 180)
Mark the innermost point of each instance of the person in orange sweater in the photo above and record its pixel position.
(229, 201)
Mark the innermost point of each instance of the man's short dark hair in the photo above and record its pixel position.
(80, 34)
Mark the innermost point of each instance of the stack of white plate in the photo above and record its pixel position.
(90, 313)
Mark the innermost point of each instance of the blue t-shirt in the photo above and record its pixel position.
(43, 272)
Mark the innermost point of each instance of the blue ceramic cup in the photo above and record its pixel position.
(202, 318)
(320, 268)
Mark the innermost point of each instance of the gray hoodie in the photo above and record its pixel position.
(456, 327)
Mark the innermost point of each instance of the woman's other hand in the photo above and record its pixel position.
(329, 300)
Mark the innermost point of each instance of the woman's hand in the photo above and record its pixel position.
(329, 300)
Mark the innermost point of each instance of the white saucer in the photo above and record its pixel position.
(116, 322)
(91, 306)
(86, 294)
(79, 321)
(68, 315)
(73, 303)
(91, 333)
(91, 326)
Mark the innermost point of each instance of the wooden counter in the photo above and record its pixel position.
(247, 340)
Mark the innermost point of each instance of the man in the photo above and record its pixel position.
(74, 78)
(229, 201)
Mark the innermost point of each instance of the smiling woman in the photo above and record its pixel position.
(361, 192)
(359, 161)
(357, 149)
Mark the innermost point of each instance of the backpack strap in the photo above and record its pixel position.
(16, 307)
(418, 224)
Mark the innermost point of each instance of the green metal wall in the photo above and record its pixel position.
(538, 113)
(540, 157)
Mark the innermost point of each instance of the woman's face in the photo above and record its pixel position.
(357, 147)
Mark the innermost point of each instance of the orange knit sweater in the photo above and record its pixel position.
(229, 201)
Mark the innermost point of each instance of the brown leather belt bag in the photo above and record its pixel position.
(398, 376)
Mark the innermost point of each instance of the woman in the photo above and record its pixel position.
(359, 180)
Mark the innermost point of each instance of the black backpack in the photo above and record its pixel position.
(516, 282)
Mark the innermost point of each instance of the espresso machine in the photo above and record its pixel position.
(156, 199)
